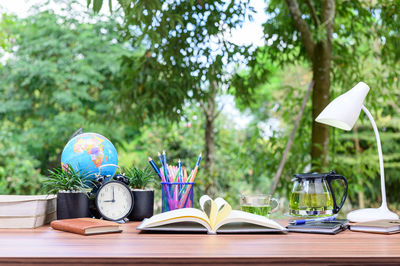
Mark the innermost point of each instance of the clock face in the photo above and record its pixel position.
(114, 200)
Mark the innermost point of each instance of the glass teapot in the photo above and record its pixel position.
(312, 195)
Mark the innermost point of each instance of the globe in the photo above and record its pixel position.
(87, 152)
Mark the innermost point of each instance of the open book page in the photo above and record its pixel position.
(216, 210)
(245, 217)
(209, 207)
(176, 216)
(223, 211)
(180, 227)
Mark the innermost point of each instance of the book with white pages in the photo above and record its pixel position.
(378, 226)
(31, 211)
(215, 216)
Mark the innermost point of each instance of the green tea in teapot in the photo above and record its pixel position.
(300, 201)
(312, 194)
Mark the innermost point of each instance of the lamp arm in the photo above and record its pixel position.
(378, 143)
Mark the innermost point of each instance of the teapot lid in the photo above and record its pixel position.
(314, 175)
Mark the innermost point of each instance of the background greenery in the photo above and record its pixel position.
(153, 79)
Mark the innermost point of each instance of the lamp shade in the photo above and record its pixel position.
(344, 111)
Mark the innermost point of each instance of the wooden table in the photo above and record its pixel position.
(47, 246)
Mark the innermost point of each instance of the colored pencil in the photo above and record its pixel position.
(177, 194)
(162, 163)
(198, 160)
(188, 188)
(154, 166)
(191, 180)
(166, 167)
(180, 170)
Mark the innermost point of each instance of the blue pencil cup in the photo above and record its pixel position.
(176, 195)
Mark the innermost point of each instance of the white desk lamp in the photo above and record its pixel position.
(342, 113)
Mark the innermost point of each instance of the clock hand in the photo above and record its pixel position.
(108, 200)
(113, 195)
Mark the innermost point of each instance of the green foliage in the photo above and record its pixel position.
(258, 72)
(182, 52)
(355, 42)
(66, 179)
(6, 37)
(97, 4)
(140, 178)
(63, 76)
(263, 148)
(18, 168)
(356, 156)
(388, 25)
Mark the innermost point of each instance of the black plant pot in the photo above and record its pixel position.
(72, 205)
(144, 205)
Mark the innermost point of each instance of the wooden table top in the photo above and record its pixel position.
(44, 245)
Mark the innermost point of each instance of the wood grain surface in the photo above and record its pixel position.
(47, 246)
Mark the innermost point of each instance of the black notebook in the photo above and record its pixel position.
(322, 227)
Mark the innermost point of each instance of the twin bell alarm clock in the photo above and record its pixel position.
(112, 199)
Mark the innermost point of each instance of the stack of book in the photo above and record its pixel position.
(26, 211)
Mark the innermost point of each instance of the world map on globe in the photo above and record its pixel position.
(89, 151)
(92, 145)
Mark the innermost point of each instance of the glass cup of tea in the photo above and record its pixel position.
(262, 205)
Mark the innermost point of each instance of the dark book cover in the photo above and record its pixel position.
(320, 227)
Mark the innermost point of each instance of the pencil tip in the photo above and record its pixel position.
(159, 153)
(148, 158)
(163, 152)
(200, 154)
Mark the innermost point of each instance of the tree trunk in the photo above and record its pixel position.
(209, 143)
(210, 113)
(320, 54)
(320, 99)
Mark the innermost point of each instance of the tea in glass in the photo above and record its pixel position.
(259, 210)
(259, 204)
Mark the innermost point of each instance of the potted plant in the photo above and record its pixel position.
(139, 179)
(70, 186)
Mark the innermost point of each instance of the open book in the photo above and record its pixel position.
(214, 217)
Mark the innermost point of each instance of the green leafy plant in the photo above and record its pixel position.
(140, 178)
(66, 179)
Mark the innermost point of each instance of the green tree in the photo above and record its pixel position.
(365, 53)
(324, 34)
(185, 58)
(18, 168)
(5, 34)
(62, 75)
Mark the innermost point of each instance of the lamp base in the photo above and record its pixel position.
(371, 214)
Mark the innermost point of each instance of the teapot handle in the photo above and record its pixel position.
(330, 178)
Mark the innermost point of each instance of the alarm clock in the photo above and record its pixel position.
(113, 199)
